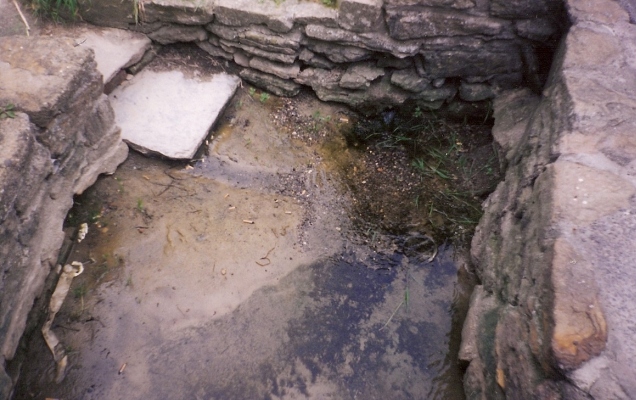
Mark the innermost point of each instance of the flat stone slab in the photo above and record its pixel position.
(168, 113)
(115, 49)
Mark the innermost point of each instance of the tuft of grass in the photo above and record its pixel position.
(263, 97)
(252, 91)
(56, 9)
(80, 291)
(7, 111)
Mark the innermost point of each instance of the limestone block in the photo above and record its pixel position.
(360, 15)
(248, 12)
(475, 91)
(43, 167)
(61, 69)
(314, 60)
(184, 12)
(174, 33)
(412, 23)
(512, 110)
(580, 327)
(229, 33)
(601, 11)
(456, 4)
(523, 9)
(215, 51)
(306, 13)
(409, 79)
(481, 304)
(255, 51)
(273, 41)
(388, 61)
(115, 49)
(282, 71)
(460, 63)
(271, 83)
(145, 109)
(360, 75)
(320, 78)
(537, 29)
(445, 93)
(240, 58)
(376, 41)
(339, 53)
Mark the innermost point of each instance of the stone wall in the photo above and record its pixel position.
(554, 314)
(369, 54)
(60, 138)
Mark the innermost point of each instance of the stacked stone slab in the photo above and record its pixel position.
(365, 53)
(554, 317)
(57, 139)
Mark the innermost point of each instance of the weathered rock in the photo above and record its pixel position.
(338, 53)
(280, 70)
(247, 12)
(446, 92)
(360, 15)
(174, 33)
(115, 49)
(307, 13)
(274, 56)
(198, 12)
(522, 9)
(493, 59)
(271, 83)
(512, 111)
(408, 79)
(475, 91)
(409, 23)
(109, 13)
(145, 109)
(314, 60)
(272, 41)
(457, 4)
(73, 140)
(215, 51)
(539, 30)
(376, 41)
(542, 249)
(360, 75)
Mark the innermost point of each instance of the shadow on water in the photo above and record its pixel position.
(338, 328)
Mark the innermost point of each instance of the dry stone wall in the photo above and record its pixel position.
(61, 137)
(369, 54)
(553, 317)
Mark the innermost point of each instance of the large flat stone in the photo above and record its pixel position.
(169, 114)
(115, 49)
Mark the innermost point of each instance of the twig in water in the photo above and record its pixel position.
(392, 315)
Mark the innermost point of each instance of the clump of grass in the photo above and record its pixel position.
(263, 97)
(329, 3)
(56, 9)
(80, 291)
(7, 111)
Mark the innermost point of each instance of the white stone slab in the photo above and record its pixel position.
(114, 49)
(169, 114)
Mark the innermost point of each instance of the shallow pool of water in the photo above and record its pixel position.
(243, 277)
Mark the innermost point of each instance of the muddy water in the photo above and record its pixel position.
(240, 276)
